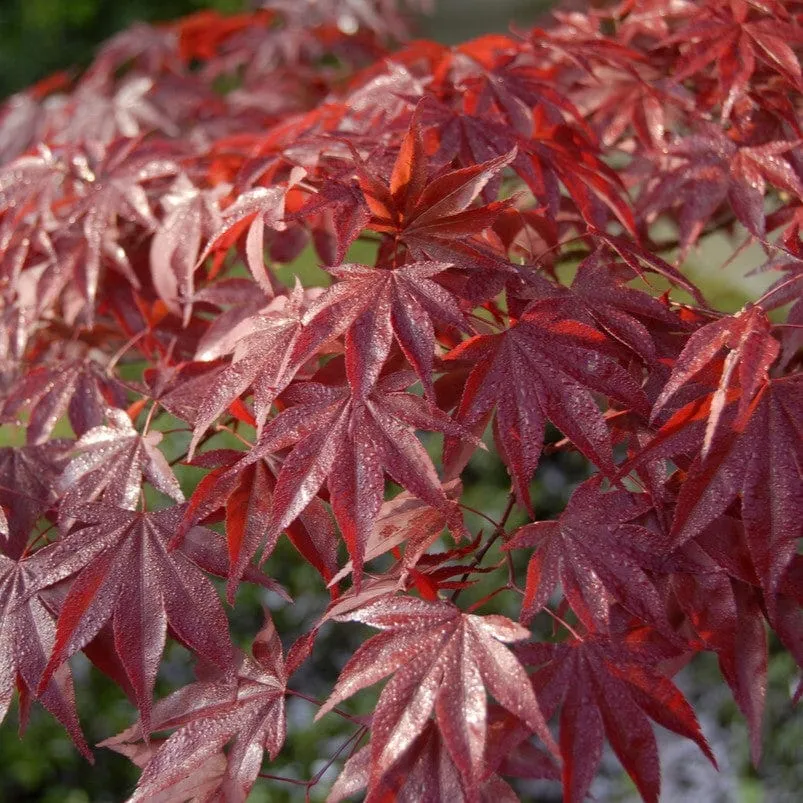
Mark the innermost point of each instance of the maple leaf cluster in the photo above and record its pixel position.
(491, 222)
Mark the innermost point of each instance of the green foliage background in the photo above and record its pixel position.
(40, 36)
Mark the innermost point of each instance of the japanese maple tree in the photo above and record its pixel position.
(502, 228)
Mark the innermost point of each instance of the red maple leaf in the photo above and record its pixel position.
(726, 613)
(752, 458)
(255, 209)
(600, 297)
(751, 351)
(426, 773)
(267, 354)
(111, 461)
(343, 215)
(28, 476)
(375, 305)
(124, 572)
(246, 494)
(243, 709)
(405, 520)
(27, 636)
(430, 214)
(111, 188)
(736, 37)
(635, 102)
(512, 87)
(350, 437)
(702, 171)
(78, 388)
(191, 216)
(442, 662)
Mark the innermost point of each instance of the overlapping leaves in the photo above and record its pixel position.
(442, 662)
(154, 212)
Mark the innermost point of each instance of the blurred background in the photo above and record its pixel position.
(38, 37)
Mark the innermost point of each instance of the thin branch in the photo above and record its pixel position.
(354, 737)
(283, 779)
(316, 779)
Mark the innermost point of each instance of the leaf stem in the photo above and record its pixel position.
(494, 537)
(560, 620)
(114, 359)
(151, 410)
(224, 428)
(316, 701)
(480, 514)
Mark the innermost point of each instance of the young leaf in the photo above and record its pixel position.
(266, 357)
(110, 463)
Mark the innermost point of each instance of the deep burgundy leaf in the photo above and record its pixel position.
(350, 438)
(28, 476)
(604, 690)
(751, 349)
(757, 461)
(589, 554)
(77, 388)
(426, 773)
(542, 368)
(373, 306)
